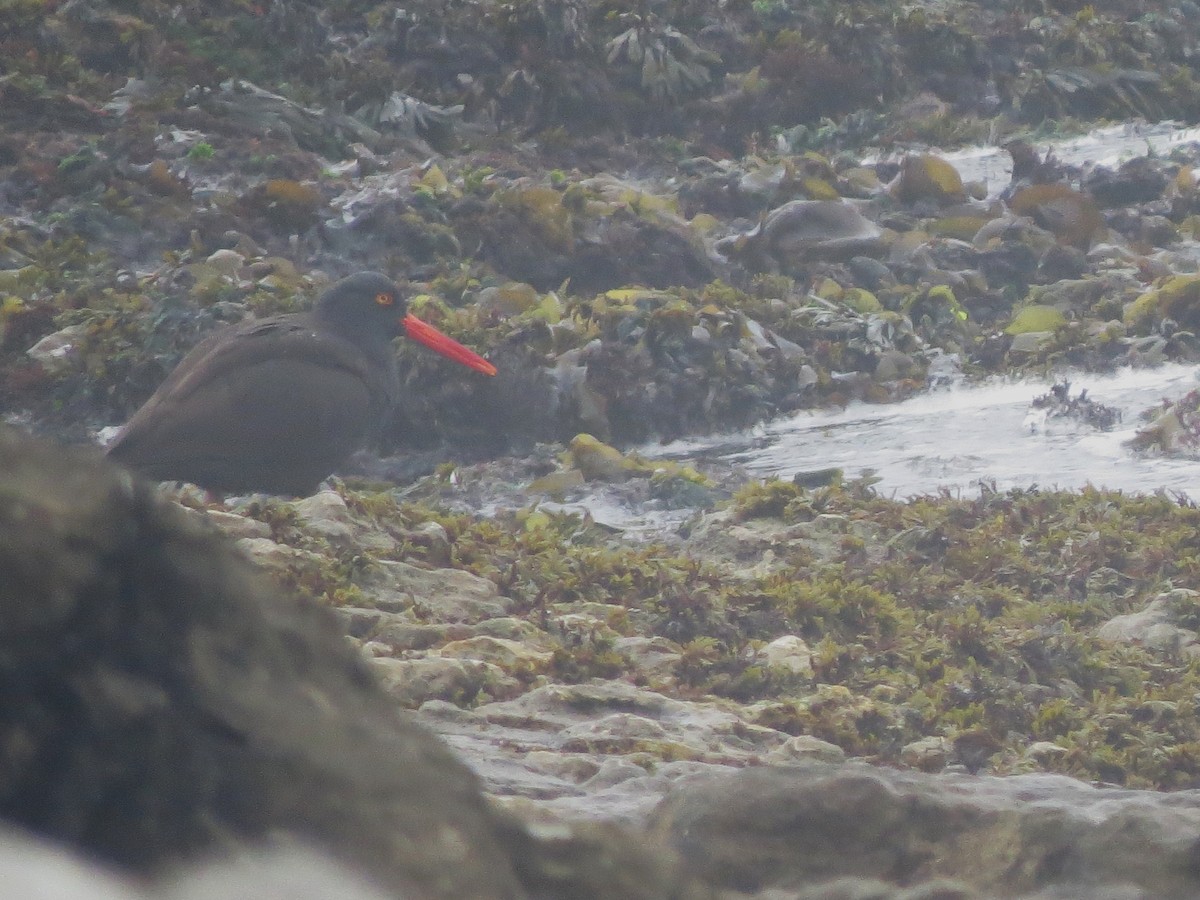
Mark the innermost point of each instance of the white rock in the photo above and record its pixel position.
(805, 748)
(789, 652)
(227, 262)
(237, 526)
(1155, 626)
(275, 556)
(326, 513)
(1043, 751)
(508, 655)
(59, 352)
(929, 754)
(414, 681)
(444, 595)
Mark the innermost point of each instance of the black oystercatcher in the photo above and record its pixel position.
(277, 404)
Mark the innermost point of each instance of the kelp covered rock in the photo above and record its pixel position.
(1066, 213)
(636, 150)
(805, 230)
(927, 178)
(1172, 427)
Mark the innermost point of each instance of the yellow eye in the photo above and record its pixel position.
(384, 299)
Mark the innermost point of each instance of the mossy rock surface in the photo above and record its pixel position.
(1035, 318)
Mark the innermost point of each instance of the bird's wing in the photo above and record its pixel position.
(259, 390)
(243, 345)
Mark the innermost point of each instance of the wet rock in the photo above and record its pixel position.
(1058, 403)
(394, 631)
(805, 230)
(511, 656)
(1136, 181)
(927, 178)
(444, 595)
(654, 657)
(1029, 344)
(1157, 231)
(797, 827)
(1069, 215)
(1062, 262)
(817, 478)
(235, 712)
(928, 754)
(228, 262)
(1045, 751)
(1098, 295)
(463, 682)
(237, 526)
(1159, 624)
(325, 513)
(894, 365)
(613, 717)
(1009, 263)
(803, 749)
(277, 557)
(790, 653)
(61, 351)
(1176, 297)
(871, 273)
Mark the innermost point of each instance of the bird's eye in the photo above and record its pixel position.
(384, 299)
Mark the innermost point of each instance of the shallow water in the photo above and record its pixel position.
(960, 438)
(1109, 146)
(965, 437)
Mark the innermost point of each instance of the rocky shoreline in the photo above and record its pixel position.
(619, 703)
(631, 281)
(658, 223)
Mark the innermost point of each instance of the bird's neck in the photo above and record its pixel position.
(366, 336)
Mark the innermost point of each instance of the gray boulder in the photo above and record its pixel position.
(159, 698)
(796, 828)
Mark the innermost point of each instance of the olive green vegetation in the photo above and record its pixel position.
(106, 196)
(816, 74)
(971, 619)
(968, 619)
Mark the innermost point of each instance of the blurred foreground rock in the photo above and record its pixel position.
(161, 702)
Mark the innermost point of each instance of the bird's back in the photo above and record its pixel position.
(272, 406)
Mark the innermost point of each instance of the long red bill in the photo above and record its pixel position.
(424, 333)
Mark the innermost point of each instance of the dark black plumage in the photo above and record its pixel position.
(276, 405)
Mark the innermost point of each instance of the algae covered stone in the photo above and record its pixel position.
(1035, 318)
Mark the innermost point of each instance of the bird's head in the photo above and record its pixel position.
(368, 302)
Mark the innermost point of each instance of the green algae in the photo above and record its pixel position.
(1035, 318)
(972, 619)
(1176, 297)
